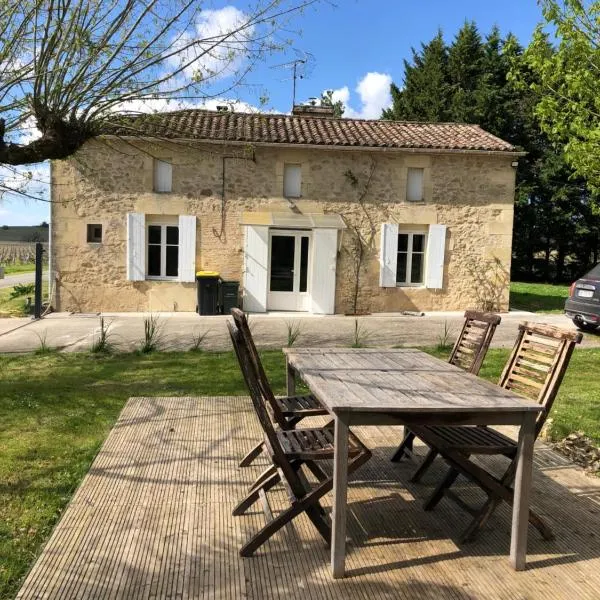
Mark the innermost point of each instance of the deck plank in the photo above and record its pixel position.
(152, 519)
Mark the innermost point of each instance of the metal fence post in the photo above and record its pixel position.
(39, 252)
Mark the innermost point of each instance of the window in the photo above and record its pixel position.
(292, 181)
(163, 176)
(163, 251)
(410, 266)
(94, 234)
(414, 185)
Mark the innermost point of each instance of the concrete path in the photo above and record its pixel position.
(11, 280)
(126, 330)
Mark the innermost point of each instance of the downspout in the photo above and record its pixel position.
(221, 233)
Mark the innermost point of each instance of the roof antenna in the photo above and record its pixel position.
(298, 67)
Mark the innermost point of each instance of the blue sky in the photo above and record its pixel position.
(358, 47)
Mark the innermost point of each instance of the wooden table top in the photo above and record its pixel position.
(403, 380)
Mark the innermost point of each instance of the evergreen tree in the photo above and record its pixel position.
(490, 84)
(466, 59)
(426, 89)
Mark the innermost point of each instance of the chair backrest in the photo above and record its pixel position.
(537, 364)
(241, 323)
(474, 340)
(248, 369)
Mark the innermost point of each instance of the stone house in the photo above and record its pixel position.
(308, 212)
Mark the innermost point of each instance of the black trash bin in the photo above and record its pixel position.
(229, 296)
(207, 285)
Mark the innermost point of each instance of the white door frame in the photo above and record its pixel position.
(295, 300)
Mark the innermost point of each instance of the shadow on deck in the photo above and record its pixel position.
(152, 519)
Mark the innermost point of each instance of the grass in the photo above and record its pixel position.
(19, 268)
(15, 307)
(538, 297)
(56, 410)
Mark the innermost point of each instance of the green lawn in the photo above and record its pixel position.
(19, 268)
(15, 307)
(56, 410)
(538, 297)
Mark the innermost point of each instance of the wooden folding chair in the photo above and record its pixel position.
(289, 451)
(287, 411)
(535, 369)
(468, 353)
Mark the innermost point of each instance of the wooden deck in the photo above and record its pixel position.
(152, 519)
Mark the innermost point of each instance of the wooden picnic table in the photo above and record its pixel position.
(409, 387)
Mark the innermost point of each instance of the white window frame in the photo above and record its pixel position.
(160, 186)
(414, 171)
(409, 257)
(163, 224)
(287, 169)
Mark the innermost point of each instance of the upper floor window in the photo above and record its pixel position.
(414, 185)
(163, 250)
(292, 181)
(410, 266)
(163, 175)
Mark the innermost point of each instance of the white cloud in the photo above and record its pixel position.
(225, 58)
(160, 105)
(374, 93)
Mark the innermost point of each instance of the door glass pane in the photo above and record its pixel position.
(154, 232)
(401, 267)
(416, 275)
(173, 235)
(282, 263)
(303, 263)
(154, 260)
(172, 261)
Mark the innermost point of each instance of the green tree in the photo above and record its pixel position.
(338, 106)
(466, 59)
(425, 94)
(487, 82)
(568, 82)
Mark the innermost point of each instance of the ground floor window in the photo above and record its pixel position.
(410, 266)
(162, 250)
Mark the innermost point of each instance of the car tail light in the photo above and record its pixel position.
(572, 289)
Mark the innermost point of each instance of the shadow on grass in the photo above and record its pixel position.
(534, 302)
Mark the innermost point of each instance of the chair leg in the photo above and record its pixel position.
(252, 455)
(407, 444)
(438, 493)
(262, 477)
(480, 519)
(309, 501)
(424, 466)
(316, 470)
(254, 494)
(319, 519)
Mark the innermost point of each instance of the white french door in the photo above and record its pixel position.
(289, 270)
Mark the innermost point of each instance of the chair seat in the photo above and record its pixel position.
(469, 439)
(300, 405)
(316, 444)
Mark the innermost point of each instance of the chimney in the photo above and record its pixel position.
(306, 110)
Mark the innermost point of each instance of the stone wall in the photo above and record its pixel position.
(470, 193)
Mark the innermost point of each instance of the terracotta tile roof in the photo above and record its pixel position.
(291, 129)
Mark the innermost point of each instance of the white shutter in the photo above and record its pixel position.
(187, 248)
(163, 176)
(436, 247)
(414, 185)
(256, 260)
(136, 247)
(292, 181)
(324, 260)
(388, 254)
